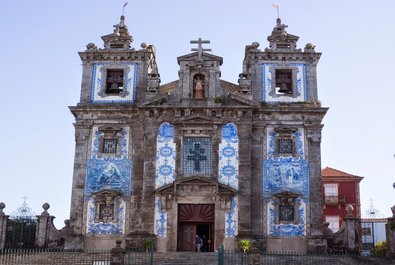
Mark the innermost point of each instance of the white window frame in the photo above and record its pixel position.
(334, 222)
(331, 189)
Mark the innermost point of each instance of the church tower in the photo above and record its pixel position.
(109, 138)
(198, 155)
(286, 158)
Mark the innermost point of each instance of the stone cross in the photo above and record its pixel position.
(200, 49)
(197, 155)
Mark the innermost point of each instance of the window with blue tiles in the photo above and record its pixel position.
(197, 156)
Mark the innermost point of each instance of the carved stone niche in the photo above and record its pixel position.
(286, 206)
(106, 203)
(110, 141)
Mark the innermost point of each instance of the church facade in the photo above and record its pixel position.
(198, 155)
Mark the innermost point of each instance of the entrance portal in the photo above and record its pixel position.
(195, 219)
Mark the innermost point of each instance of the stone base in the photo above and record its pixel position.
(286, 244)
(318, 244)
(229, 243)
(100, 242)
(135, 240)
(73, 242)
(390, 231)
(161, 244)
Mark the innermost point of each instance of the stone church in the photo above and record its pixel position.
(199, 155)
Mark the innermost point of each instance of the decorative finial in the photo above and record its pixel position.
(45, 207)
(349, 210)
(2, 206)
(372, 212)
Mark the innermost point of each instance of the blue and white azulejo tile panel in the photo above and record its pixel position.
(160, 219)
(232, 218)
(101, 228)
(197, 156)
(285, 174)
(298, 139)
(108, 172)
(123, 145)
(286, 230)
(268, 83)
(165, 155)
(108, 175)
(290, 173)
(98, 83)
(228, 162)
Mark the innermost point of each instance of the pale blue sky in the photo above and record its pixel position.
(41, 74)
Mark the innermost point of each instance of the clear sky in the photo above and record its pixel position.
(41, 74)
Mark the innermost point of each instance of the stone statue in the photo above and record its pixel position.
(199, 89)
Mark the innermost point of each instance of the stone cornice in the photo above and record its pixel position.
(123, 55)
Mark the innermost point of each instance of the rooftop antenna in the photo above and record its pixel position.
(123, 9)
(275, 5)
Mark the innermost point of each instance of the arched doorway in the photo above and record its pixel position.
(195, 219)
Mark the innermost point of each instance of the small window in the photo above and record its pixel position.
(284, 82)
(285, 146)
(114, 81)
(286, 204)
(110, 146)
(286, 213)
(331, 189)
(334, 222)
(106, 212)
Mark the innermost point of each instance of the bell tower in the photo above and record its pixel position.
(282, 73)
(283, 79)
(199, 76)
(115, 79)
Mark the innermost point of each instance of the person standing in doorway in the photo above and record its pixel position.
(205, 244)
(198, 243)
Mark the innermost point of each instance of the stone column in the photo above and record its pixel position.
(390, 232)
(347, 236)
(75, 239)
(3, 225)
(316, 240)
(117, 254)
(46, 234)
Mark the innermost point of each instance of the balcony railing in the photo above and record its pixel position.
(334, 200)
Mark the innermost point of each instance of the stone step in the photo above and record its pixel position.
(185, 258)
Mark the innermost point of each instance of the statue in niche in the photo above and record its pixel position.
(198, 90)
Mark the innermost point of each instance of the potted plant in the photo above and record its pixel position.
(148, 244)
(245, 245)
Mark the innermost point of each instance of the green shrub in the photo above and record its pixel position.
(245, 244)
(379, 249)
(148, 244)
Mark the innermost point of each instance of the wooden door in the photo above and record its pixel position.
(186, 237)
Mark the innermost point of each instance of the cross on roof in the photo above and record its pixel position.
(200, 48)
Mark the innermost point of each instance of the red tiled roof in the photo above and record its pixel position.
(331, 172)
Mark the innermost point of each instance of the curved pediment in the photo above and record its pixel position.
(195, 184)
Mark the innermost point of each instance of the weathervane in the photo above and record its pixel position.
(123, 9)
(275, 5)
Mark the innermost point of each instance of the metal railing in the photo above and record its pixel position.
(138, 258)
(334, 200)
(288, 258)
(54, 256)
